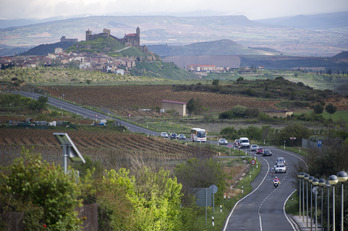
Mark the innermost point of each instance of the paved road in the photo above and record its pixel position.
(263, 209)
(86, 113)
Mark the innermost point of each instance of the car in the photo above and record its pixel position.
(181, 137)
(267, 152)
(280, 168)
(259, 151)
(222, 141)
(244, 142)
(164, 134)
(173, 136)
(254, 147)
(280, 160)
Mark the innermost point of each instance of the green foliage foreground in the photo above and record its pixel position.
(42, 191)
(146, 200)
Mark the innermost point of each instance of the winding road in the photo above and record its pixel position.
(262, 209)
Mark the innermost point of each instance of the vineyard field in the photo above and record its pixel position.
(114, 149)
(125, 100)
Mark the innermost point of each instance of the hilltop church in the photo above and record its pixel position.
(128, 40)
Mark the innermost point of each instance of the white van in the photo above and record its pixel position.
(244, 142)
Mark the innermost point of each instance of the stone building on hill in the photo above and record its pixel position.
(128, 40)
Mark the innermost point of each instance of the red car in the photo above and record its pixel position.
(259, 151)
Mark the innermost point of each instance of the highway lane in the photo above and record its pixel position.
(86, 113)
(263, 208)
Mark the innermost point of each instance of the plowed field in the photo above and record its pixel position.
(114, 149)
(126, 99)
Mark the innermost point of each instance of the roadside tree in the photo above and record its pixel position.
(46, 195)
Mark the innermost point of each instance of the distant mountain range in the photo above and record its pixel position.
(313, 35)
(311, 22)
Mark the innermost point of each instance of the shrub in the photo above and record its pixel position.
(42, 191)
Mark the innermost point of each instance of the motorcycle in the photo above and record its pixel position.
(275, 184)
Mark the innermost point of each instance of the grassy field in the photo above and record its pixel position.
(337, 116)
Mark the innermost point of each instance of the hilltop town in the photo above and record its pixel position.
(112, 58)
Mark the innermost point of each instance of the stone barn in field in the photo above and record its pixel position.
(279, 113)
(179, 107)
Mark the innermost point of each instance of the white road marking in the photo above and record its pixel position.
(234, 207)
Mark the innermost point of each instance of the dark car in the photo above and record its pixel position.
(259, 151)
(267, 152)
(173, 136)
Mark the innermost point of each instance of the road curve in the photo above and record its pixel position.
(86, 113)
(263, 208)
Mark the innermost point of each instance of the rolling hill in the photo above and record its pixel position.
(218, 47)
(186, 30)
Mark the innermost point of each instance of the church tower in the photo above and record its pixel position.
(138, 37)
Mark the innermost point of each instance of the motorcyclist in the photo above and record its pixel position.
(276, 180)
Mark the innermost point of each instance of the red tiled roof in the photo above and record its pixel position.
(175, 102)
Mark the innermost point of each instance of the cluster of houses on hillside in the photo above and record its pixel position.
(204, 70)
(101, 62)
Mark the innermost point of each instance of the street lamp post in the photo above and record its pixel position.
(306, 177)
(333, 180)
(322, 183)
(303, 198)
(328, 185)
(342, 177)
(310, 179)
(315, 182)
(300, 176)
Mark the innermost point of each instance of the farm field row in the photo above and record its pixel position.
(126, 99)
(101, 146)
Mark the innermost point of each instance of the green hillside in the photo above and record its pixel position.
(45, 49)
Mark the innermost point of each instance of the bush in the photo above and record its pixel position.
(42, 191)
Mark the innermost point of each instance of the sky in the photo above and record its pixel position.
(252, 9)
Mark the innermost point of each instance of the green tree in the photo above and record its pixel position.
(42, 191)
(200, 173)
(215, 82)
(254, 133)
(229, 133)
(154, 196)
(194, 106)
(191, 106)
(318, 108)
(293, 130)
(330, 108)
(39, 104)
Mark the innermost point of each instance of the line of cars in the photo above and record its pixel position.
(280, 164)
(173, 136)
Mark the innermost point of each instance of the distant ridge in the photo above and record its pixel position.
(218, 47)
(342, 55)
(320, 21)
